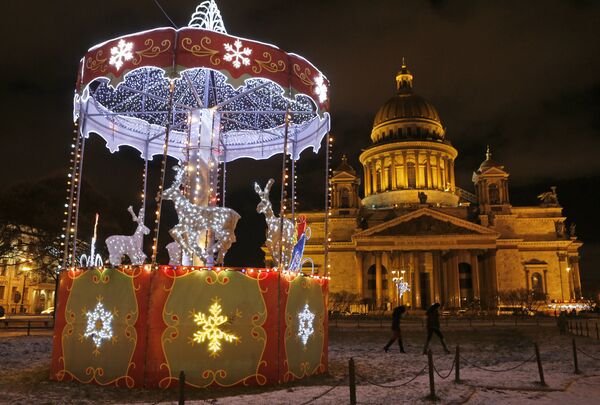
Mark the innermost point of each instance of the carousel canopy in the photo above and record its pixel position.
(137, 89)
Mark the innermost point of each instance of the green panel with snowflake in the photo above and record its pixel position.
(305, 336)
(99, 337)
(214, 327)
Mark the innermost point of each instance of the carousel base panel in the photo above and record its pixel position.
(133, 326)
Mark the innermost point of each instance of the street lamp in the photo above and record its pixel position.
(25, 270)
(401, 285)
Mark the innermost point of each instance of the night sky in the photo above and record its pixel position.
(522, 77)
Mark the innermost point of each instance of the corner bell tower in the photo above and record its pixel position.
(491, 187)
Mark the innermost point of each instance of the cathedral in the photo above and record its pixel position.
(416, 228)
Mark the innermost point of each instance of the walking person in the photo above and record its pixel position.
(396, 332)
(433, 326)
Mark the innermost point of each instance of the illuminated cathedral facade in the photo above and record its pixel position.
(414, 225)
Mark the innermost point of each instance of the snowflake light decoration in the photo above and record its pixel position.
(238, 54)
(305, 324)
(320, 88)
(210, 331)
(120, 53)
(99, 324)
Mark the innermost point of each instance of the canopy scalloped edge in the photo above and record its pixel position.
(148, 139)
(187, 48)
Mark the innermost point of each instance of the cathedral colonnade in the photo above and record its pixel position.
(454, 278)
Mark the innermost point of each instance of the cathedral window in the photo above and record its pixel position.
(378, 179)
(344, 198)
(537, 286)
(494, 194)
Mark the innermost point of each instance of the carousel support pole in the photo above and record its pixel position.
(145, 181)
(293, 176)
(71, 196)
(170, 118)
(224, 176)
(283, 172)
(159, 197)
(326, 225)
(78, 195)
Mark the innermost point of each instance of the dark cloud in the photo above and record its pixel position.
(520, 76)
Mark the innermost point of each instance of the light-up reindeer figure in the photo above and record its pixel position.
(195, 219)
(280, 245)
(130, 246)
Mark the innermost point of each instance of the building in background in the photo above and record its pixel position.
(415, 224)
(26, 284)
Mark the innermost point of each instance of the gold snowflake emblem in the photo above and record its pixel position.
(210, 330)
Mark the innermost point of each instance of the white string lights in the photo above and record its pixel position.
(305, 324)
(99, 324)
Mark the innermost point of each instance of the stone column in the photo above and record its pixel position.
(417, 171)
(417, 278)
(475, 276)
(494, 277)
(438, 173)
(393, 170)
(451, 173)
(382, 180)
(455, 281)
(444, 278)
(378, 280)
(576, 276)
(545, 281)
(373, 178)
(561, 258)
(389, 265)
(436, 276)
(367, 179)
(428, 169)
(358, 263)
(405, 167)
(527, 279)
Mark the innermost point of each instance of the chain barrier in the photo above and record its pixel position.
(327, 391)
(497, 371)
(449, 372)
(588, 355)
(365, 379)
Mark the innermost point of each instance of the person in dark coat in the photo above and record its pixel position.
(562, 323)
(396, 333)
(433, 326)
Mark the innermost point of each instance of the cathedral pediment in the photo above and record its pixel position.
(426, 222)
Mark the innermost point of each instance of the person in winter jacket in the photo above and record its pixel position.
(433, 326)
(396, 332)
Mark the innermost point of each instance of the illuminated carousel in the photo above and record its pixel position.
(204, 98)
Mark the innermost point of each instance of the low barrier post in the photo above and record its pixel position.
(432, 395)
(457, 361)
(28, 328)
(352, 379)
(597, 332)
(181, 400)
(539, 363)
(587, 329)
(575, 357)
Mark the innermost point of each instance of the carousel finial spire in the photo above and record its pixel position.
(208, 16)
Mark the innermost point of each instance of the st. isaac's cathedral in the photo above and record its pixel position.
(415, 224)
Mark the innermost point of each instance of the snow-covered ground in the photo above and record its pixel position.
(24, 363)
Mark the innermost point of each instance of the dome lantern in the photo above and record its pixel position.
(404, 79)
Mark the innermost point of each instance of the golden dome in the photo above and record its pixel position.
(488, 162)
(406, 115)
